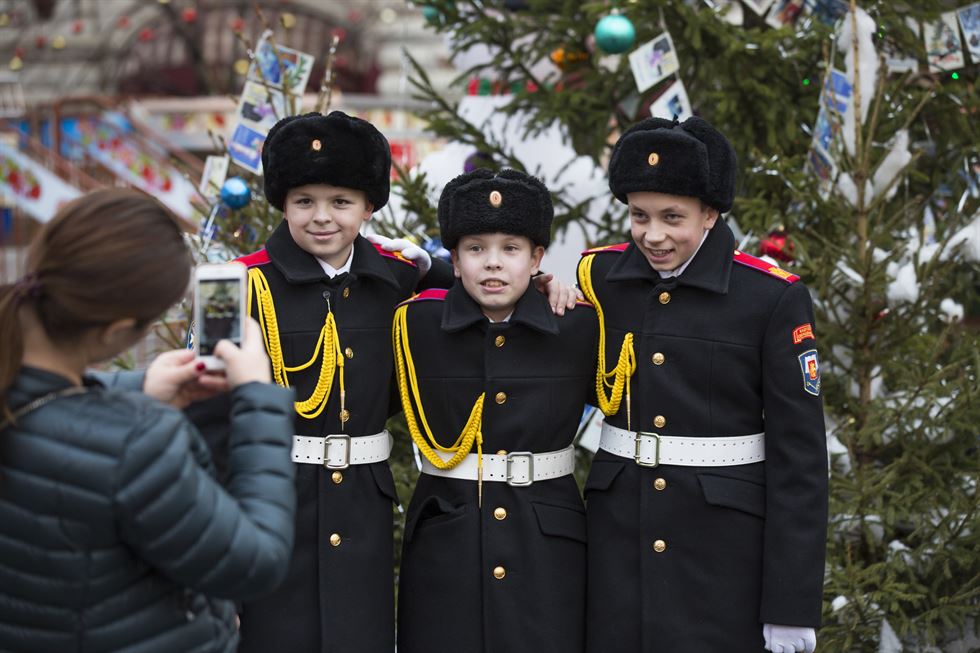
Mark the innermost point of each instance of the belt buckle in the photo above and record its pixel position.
(327, 441)
(636, 449)
(530, 468)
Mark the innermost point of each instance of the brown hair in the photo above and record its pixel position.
(110, 255)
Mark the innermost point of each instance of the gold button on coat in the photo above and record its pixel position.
(499, 572)
(346, 292)
(660, 484)
(335, 539)
(659, 546)
(659, 421)
(344, 415)
(500, 514)
(499, 341)
(349, 353)
(501, 397)
(502, 452)
(337, 477)
(658, 358)
(664, 297)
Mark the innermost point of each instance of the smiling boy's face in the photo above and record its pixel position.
(495, 270)
(324, 220)
(668, 229)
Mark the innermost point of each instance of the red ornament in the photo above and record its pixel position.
(19, 52)
(238, 24)
(77, 27)
(340, 33)
(123, 22)
(777, 246)
(188, 15)
(146, 34)
(40, 41)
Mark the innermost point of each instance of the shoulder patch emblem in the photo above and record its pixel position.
(803, 332)
(260, 257)
(437, 294)
(395, 255)
(810, 367)
(764, 266)
(618, 249)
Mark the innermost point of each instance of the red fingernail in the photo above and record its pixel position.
(200, 367)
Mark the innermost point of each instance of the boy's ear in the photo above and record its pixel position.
(537, 254)
(455, 260)
(712, 217)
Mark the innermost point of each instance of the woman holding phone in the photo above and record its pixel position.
(114, 535)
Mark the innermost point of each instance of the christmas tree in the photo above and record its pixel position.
(857, 140)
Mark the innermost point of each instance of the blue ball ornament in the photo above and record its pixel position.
(614, 34)
(235, 193)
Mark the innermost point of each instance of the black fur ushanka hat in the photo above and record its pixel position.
(482, 202)
(691, 158)
(335, 149)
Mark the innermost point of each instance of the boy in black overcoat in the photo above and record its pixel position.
(324, 296)
(707, 501)
(493, 385)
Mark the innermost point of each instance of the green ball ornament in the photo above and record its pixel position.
(431, 15)
(614, 34)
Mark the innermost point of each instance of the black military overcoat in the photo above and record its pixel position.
(537, 370)
(339, 594)
(725, 349)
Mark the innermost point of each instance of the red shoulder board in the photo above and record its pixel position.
(620, 248)
(395, 255)
(764, 266)
(260, 257)
(437, 294)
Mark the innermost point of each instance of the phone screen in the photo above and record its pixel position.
(220, 313)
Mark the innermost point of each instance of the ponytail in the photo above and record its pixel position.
(13, 344)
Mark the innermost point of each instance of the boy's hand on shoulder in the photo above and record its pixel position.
(560, 295)
(406, 248)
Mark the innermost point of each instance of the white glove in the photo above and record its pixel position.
(789, 639)
(406, 248)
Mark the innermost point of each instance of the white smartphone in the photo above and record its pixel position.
(219, 309)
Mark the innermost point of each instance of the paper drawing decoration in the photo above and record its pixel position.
(653, 61)
(943, 47)
(672, 103)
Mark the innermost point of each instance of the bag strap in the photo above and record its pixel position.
(43, 400)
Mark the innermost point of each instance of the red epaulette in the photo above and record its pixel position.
(260, 257)
(764, 266)
(619, 249)
(438, 294)
(395, 255)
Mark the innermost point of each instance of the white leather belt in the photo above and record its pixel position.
(517, 468)
(651, 449)
(338, 451)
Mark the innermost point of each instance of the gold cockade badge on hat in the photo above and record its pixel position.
(316, 145)
(496, 199)
(653, 159)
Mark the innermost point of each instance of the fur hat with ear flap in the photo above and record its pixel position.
(691, 158)
(335, 149)
(482, 202)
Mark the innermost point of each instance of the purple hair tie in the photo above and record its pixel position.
(28, 286)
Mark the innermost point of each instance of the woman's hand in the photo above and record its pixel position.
(178, 378)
